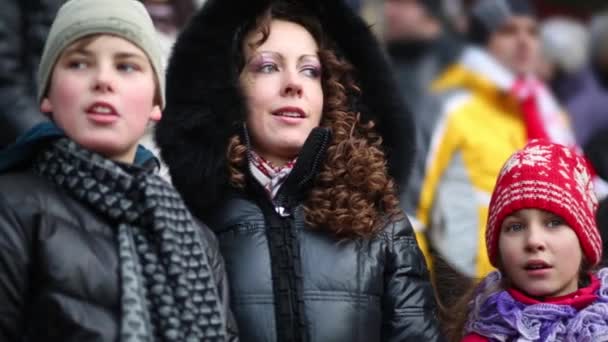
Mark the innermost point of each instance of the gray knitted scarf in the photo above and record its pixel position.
(168, 289)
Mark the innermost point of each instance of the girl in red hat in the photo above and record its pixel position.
(543, 239)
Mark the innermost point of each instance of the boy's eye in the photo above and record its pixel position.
(127, 67)
(77, 64)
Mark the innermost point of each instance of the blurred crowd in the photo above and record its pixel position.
(481, 81)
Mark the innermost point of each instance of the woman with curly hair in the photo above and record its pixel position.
(284, 132)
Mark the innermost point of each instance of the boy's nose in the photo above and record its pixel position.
(103, 81)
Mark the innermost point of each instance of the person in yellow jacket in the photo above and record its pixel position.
(491, 106)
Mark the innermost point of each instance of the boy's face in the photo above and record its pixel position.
(540, 253)
(102, 94)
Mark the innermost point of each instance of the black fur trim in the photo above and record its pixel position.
(205, 107)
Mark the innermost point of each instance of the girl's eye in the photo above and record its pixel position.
(555, 222)
(513, 227)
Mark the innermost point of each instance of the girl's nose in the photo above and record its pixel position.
(535, 239)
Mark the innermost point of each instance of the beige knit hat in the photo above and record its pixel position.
(76, 19)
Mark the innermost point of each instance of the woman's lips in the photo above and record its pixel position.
(289, 115)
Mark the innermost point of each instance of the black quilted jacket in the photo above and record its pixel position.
(59, 266)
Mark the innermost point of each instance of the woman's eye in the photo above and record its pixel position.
(267, 68)
(312, 71)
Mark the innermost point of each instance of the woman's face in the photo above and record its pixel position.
(282, 84)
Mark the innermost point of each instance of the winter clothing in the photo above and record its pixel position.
(481, 125)
(416, 62)
(170, 263)
(487, 16)
(415, 65)
(291, 282)
(79, 18)
(602, 224)
(24, 26)
(595, 150)
(66, 196)
(551, 177)
(271, 177)
(587, 108)
(510, 314)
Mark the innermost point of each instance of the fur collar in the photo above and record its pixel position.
(205, 107)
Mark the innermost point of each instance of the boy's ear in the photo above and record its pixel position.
(156, 113)
(46, 106)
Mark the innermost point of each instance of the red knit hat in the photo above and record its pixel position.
(552, 177)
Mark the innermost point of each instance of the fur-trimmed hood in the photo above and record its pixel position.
(205, 106)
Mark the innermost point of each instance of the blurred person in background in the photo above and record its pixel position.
(564, 52)
(169, 17)
(492, 104)
(24, 25)
(590, 117)
(420, 44)
(354, 4)
(587, 108)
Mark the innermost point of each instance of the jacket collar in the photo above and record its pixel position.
(479, 62)
(300, 179)
(27, 145)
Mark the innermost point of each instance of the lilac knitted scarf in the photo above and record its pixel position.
(500, 317)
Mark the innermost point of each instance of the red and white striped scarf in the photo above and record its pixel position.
(271, 177)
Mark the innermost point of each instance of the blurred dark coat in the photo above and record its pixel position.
(24, 25)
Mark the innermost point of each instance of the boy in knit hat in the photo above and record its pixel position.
(93, 244)
(543, 238)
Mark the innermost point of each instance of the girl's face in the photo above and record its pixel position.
(282, 83)
(540, 253)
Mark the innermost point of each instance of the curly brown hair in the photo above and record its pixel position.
(353, 194)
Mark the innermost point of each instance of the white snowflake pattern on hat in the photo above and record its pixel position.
(585, 185)
(533, 156)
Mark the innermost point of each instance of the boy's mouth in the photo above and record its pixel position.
(101, 108)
